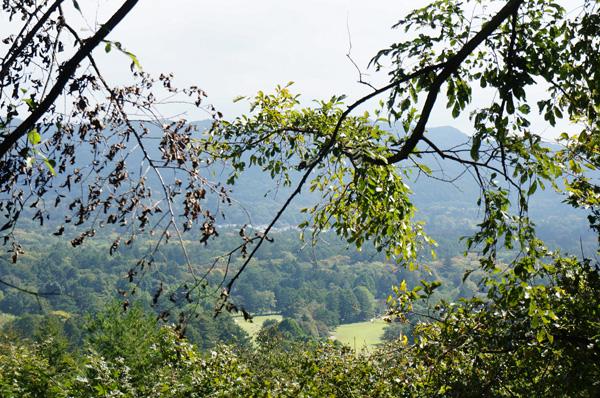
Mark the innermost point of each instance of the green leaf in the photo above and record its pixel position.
(30, 103)
(475, 147)
(50, 164)
(134, 59)
(541, 334)
(135, 62)
(403, 286)
(425, 169)
(34, 137)
(532, 188)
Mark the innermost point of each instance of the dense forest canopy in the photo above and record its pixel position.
(81, 155)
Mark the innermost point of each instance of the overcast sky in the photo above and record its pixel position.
(237, 47)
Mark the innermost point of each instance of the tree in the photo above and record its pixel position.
(362, 172)
(366, 302)
(534, 326)
(350, 310)
(352, 161)
(78, 154)
(273, 332)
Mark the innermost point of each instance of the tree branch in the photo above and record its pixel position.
(32, 292)
(68, 69)
(310, 167)
(14, 52)
(450, 67)
(460, 160)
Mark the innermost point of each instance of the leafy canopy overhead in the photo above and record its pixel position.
(79, 153)
(511, 49)
(535, 324)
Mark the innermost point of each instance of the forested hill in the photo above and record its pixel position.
(449, 208)
(320, 287)
(446, 198)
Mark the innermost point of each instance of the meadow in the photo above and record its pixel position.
(359, 335)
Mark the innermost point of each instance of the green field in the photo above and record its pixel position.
(360, 335)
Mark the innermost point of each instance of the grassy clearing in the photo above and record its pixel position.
(360, 335)
(253, 328)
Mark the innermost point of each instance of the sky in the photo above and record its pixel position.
(237, 47)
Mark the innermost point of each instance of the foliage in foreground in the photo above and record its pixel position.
(540, 338)
(536, 330)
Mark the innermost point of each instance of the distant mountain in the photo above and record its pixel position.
(449, 209)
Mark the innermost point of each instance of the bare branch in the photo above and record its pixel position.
(28, 291)
(450, 67)
(68, 69)
(15, 51)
